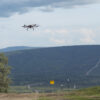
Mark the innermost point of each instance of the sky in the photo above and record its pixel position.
(61, 22)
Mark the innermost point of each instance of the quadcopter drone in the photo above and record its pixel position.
(30, 26)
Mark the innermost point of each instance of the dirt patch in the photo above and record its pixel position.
(18, 96)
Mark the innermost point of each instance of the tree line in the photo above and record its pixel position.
(4, 73)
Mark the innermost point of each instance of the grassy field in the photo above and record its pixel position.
(83, 94)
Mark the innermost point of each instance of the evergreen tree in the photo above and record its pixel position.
(4, 73)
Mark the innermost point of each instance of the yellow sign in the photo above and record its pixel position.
(52, 82)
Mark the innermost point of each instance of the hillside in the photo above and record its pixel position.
(83, 94)
(9, 49)
(92, 93)
(66, 65)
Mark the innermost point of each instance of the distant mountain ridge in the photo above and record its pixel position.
(16, 48)
(68, 64)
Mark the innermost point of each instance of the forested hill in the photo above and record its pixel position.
(75, 64)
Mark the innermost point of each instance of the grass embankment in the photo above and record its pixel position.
(82, 94)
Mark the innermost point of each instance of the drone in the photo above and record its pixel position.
(30, 26)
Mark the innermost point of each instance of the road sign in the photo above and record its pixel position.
(52, 82)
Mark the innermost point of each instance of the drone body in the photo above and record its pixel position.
(30, 26)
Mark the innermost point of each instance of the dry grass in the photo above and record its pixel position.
(84, 94)
(18, 96)
(31, 96)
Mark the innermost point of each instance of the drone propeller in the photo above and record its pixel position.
(24, 25)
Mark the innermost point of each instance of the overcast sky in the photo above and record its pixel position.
(62, 22)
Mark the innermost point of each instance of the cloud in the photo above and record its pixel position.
(73, 37)
(88, 36)
(58, 41)
(8, 7)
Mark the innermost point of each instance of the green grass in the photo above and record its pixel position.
(85, 94)
(82, 94)
(24, 89)
(19, 89)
